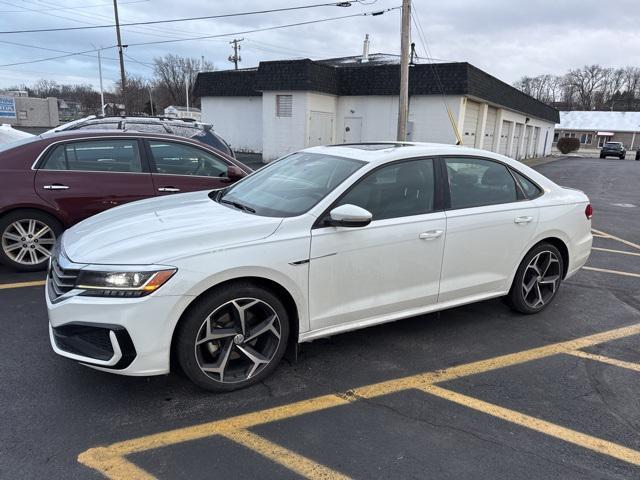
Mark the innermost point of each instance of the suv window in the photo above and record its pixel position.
(530, 189)
(475, 182)
(397, 190)
(96, 156)
(179, 159)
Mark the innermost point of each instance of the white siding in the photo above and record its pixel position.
(237, 119)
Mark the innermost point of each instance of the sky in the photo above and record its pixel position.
(506, 38)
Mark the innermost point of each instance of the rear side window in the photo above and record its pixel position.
(530, 189)
(96, 156)
(179, 159)
(474, 182)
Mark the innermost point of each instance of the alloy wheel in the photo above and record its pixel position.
(238, 340)
(28, 241)
(541, 279)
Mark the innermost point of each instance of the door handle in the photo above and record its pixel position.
(168, 189)
(520, 220)
(431, 235)
(56, 186)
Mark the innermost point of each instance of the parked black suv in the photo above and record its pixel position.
(613, 149)
(201, 132)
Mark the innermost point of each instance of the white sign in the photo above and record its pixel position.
(7, 107)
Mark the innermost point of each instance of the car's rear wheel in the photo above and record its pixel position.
(233, 337)
(537, 280)
(622, 157)
(27, 238)
(602, 156)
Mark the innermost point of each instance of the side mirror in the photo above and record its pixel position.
(349, 216)
(235, 173)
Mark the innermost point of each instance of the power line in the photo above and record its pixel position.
(265, 29)
(155, 22)
(66, 8)
(322, 20)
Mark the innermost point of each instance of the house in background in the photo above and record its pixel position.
(283, 106)
(595, 128)
(29, 114)
(182, 112)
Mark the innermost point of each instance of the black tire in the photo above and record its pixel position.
(517, 299)
(602, 156)
(189, 329)
(622, 157)
(25, 215)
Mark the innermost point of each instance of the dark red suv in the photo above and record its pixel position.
(51, 182)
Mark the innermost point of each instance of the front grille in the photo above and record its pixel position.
(60, 280)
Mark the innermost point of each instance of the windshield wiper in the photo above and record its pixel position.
(238, 205)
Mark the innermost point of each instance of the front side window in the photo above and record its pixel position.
(96, 156)
(474, 182)
(180, 159)
(396, 190)
(290, 186)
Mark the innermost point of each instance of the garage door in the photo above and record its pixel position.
(504, 136)
(490, 129)
(527, 142)
(471, 114)
(320, 129)
(536, 141)
(517, 135)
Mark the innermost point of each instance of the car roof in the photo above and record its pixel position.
(384, 151)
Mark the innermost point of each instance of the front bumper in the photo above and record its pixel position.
(128, 336)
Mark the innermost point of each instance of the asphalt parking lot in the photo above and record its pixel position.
(473, 392)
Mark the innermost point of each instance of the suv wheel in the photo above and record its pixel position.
(27, 238)
(233, 337)
(537, 280)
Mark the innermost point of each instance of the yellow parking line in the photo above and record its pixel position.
(603, 359)
(615, 251)
(615, 272)
(571, 436)
(36, 283)
(285, 457)
(613, 237)
(111, 461)
(599, 236)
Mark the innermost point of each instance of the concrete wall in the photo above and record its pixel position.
(34, 112)
(237, 119)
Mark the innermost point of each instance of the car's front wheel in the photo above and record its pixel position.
(232, 337)
(537, 280)
(27, 238)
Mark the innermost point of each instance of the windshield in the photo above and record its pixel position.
(290, 186)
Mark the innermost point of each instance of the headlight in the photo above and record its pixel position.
(122, 284)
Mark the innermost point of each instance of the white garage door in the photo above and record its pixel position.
(536, 141)
(527, 142)
(320, 129)
(471, 114)
(517, 135)
(504, 136)
(490, 129)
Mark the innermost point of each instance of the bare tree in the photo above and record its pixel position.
(173, 76)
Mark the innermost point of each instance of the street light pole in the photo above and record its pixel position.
(403, 105)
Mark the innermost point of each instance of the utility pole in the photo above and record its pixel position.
(123, 80)
(235, 58)
(186, 90)
(403, 106)
(100, 73)
(150, 101)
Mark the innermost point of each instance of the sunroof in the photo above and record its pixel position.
(370, 146)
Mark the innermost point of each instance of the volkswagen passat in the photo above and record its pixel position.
(323, 241)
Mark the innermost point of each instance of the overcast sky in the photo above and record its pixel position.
(507, 38)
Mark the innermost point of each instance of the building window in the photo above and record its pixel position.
(586, 138)
(283, 105)
(555, 137)
(23, 115)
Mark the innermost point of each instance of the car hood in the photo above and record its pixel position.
(161, 229)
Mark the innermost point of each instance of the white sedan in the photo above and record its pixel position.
(323, 241)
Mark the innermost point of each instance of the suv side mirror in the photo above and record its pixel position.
(235, 173)
(349, 216)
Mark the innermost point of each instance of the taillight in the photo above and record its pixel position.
(588, 212)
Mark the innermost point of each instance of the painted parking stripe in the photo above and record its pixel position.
(613, 237)
(111, 460)
(571, 436)
(283, 456)
(615, 272)
(35, 283)
(609, 250)
(611, 361)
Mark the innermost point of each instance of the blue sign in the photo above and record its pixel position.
(7, 107)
